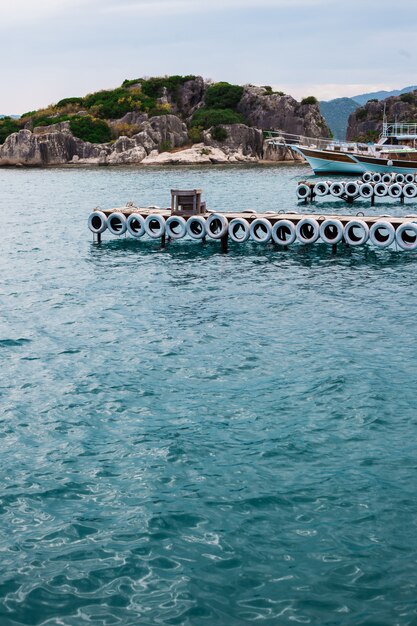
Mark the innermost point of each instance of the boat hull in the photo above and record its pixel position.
(325, 162)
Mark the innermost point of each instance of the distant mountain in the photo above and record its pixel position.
(336, 113)
(381, 95)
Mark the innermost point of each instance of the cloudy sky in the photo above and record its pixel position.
(51, 49)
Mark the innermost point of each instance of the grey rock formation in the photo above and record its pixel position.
(55, 145)
(48, 148)
(133, 118)
(165, 129)
(272, 152)
(61, 127)
(189, 97)
(366, 122)
(272, 111)
(125, 151)
(240, 138)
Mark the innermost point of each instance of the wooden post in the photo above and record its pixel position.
(334, 248)
(97, 237)
(163, 240)
(373, 200)
(402, 197)
(224, 242)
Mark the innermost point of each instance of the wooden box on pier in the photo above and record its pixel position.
(187, 202)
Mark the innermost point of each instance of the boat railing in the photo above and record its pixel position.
(398, 129)
(280, 138)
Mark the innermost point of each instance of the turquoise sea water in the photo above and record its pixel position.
(189, 438)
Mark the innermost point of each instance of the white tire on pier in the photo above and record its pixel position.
(284, 233)
(395, 190)
(116, 223)
(239, 230)
(356, 232)
(217, 226)
(331, 231)
(135, 225)
(196, 227)
(382, 234)
(307, 230)
(321, 188)
(376, 177)
(155, 225)
(410, 190)
(176, 227)
(303, 191)
(367, 177)
(366, 190)
(337, 189)
(388, 178)
(406, 236)
(97, 222)
(380, 190)
(260, 230)
(409, 178)
(399, 178)
(352, 188)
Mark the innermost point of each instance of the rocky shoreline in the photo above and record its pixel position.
(170, 139)
(57, 146)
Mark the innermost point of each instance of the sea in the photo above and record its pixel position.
(194, 438)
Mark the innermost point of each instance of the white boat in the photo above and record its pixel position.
(395, 151)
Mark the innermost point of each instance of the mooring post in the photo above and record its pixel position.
(224, 242)
(402, 197)
(163, 240)
(373, 200)
(96, 237)
(203, 239)
(334, 248)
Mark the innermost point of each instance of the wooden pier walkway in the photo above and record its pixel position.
(280, 228)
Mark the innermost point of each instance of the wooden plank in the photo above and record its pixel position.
(272, 217)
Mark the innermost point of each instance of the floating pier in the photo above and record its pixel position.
(371, 186)
(192, 219)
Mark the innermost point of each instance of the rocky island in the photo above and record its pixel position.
(365, 124)
(164, 120)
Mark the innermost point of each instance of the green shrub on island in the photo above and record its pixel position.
(116, 103)
(206, 118)
(165, 146)
(270, 92)
(84, 127)
(7, 126)
(28, 114)
(195, 134)
(219, 133)
(65, 101)
(309, 100)
(223, 96)
(46, 120)
(90, 129)
(153, 87)
(408, 97)
(370, 136)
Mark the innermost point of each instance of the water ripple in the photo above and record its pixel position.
(191, 438)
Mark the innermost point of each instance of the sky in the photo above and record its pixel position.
(51, 49)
